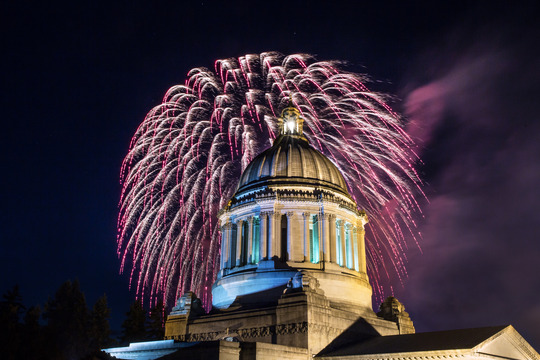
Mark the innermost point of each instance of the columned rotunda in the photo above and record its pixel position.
(293, 283)
(292, 212)
(293, 257)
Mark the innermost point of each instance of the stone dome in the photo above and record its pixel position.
(291, 212)
(291, 161)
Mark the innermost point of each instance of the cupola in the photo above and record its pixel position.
(291, 162)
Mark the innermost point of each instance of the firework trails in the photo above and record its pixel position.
(186, 157)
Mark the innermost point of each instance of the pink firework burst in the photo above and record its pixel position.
(186, 157)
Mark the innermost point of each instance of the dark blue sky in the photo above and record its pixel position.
(79, 77)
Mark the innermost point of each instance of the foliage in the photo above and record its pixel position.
(156, 322)
(134, 327)
(65, 330)
(67, 321)
(100, 330)
(11, 309)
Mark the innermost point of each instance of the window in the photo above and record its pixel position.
(314, 239)
(284, 229)
(234, 238)
(348, 247)
(255, 245)
(338, 243)
(245, 239)
(355, 249)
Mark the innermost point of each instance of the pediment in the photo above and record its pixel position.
(509, 344)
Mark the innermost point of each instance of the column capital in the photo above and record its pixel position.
(228, 225)
(348, 226)
(361, 222)
(339, 222)
(306, 214)
(289, 214)
(331, 216)
(324, 216)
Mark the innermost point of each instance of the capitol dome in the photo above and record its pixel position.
(292, 161)
(292, 217)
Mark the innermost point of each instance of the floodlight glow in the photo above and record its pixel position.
(291, 126)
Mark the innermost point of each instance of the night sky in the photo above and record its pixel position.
(79, 77)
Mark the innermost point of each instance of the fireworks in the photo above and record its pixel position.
(186, 157)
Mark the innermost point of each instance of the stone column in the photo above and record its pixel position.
(249, 249)
(290, 249)
(222, 247)
(362, 248)
(226, 255)
(338, 239)
(297, 240)
(325, 237)
(332, 237)
(239, 228)
(356, 249)
(276, 239)
(341, 229)
(263, 245)
(271, 234)
(343, 244)
(307, 245)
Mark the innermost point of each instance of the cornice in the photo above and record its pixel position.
(260, 331)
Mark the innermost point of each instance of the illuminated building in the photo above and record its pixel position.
(293, 281)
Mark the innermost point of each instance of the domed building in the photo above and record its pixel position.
(292, 212)
(293, 283)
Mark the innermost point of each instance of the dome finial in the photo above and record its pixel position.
(290, 121)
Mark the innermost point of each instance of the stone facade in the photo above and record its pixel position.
(292, 212)
(293, 262)
(303, 317)
(293, 282)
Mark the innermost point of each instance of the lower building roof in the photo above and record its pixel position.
(427, 341)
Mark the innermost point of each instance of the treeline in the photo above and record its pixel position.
(67, 329)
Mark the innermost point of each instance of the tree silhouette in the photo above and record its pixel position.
(71, 332)
(100, 330)
(156, 330)
(134, 326)
(11, 309)
(67, 322)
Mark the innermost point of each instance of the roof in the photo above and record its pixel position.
(427, 341)
(292, 161)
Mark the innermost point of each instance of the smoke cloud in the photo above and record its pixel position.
(478, 128)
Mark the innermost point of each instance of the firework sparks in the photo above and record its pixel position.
(186, 157)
